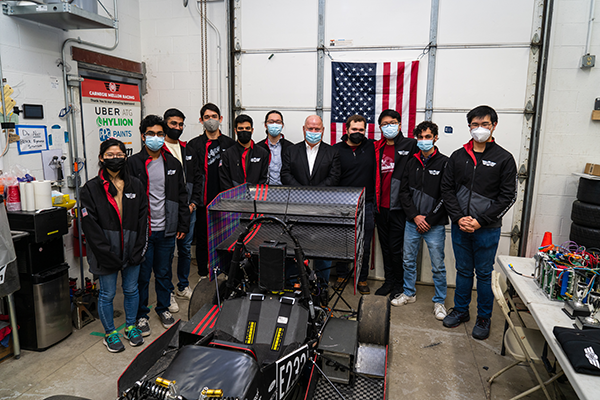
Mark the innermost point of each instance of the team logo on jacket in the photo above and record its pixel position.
(488, 163)
(403, 152)
(171, 172)
(255, 159)
(188, 158)
(434, 172)
(591, 356)
(130, 195)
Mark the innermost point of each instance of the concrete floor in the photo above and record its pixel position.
(426, 361)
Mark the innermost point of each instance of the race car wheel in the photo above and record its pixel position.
(589, 191)
(374, 320)
(584, 236)
(586, 214)
(204, 292)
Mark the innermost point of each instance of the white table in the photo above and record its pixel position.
(547, 314)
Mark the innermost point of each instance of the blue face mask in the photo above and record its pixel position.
(390, 131)
(274, 129)
(425, 145)
(154, 143)
(313, 137)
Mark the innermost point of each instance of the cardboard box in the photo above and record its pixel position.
(592, 169)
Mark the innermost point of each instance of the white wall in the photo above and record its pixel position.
(569, 138)
(30, 52)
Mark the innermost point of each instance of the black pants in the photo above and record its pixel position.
(390, 227)
(342, 268)
(202, 241)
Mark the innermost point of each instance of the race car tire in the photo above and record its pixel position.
(586, 214)
(588, 191)
(374, 320)
(584, 236)
(204, 292)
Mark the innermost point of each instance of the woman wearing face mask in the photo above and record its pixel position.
(114, 218)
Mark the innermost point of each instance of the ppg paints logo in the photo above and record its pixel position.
(104, 134)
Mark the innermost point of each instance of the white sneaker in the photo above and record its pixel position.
(403, 299)
(173, 307)
(184, 294)
(439, 310)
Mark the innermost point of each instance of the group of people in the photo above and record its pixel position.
(138, 208)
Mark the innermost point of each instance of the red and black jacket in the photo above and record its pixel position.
(421, 188)
(115, 241)
(177, 212)
(483, 190)
(244, 165)
(197, 146)
(193, 174)
(404, 148)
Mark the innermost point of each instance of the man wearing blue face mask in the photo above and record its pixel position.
(421, 197)
(275, 144)
(169, 215)
(392, 152)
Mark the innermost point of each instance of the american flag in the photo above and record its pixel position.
(369, 88)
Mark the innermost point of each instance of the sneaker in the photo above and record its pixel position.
(363, 288)
(439, 310)
(113, 343)
(402, 299)
(173, 307)
(167, 319)
(455, 318)
(134, 335)
(144, 326)
(385, 289)
(481, 330)
(184, 294)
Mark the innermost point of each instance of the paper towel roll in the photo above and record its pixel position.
(43, 194)
(23, 195)
(30, 197)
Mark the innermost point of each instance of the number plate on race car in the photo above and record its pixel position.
(288, 370)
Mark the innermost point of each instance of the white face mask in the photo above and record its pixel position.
(481, 134)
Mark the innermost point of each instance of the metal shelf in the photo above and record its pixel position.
(63, 16)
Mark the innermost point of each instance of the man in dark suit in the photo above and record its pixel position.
(312, 162)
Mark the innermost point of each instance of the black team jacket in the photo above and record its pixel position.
(326, 171)
(404, 149)
(197, 146)
(194, 176)
(358, 166)
(285, 144)
(421, 188)
(484, 190)
(114, 241)
(244, 165)
(177, 212)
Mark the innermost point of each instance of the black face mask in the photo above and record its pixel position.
(174, 133)
(356, 137)
(114, 164)
(244, 136)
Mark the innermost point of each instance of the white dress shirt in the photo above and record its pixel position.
(311, 154)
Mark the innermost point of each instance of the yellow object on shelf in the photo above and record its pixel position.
(63, 201)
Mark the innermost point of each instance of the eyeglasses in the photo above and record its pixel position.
(475, 125)
(174, 124)
(108, 156)
(272, 121)
(159, 134)
(389, 123)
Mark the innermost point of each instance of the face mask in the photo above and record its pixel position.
(114, 164)
(313, 137)
(154, 143)
(174, 133)
(274, 129)
(425, 145)
(211, 125)
(356, 137)
(480, 134)
(244, 136)
(390, 131)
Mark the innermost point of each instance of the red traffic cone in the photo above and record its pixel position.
(547, 242)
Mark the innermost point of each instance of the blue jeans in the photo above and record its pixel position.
(475, 253)
(158, 260)
(323, 269)
(435, 238)
(108, 289)
(184, 255)
(341, 268)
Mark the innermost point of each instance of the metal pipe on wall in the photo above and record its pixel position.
(431, 58)
(590, 25)
(209, 22)
(536, 130)
(320, 58)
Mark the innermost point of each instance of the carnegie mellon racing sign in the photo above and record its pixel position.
(110, 109)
